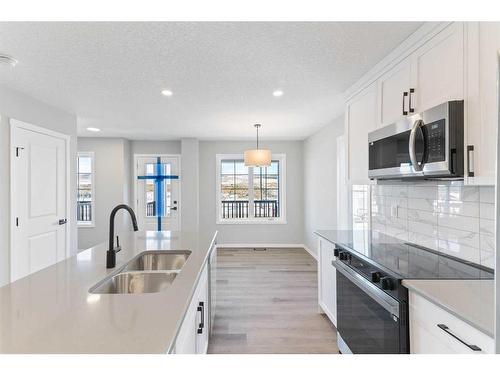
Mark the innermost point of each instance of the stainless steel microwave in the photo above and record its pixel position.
(426, 145)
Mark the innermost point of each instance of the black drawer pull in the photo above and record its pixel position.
(445, 328)
(201, 308)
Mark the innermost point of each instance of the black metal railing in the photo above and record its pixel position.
(266, 208)
(240, 209)
(151, 209)
(84, 211)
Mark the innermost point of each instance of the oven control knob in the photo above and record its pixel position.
(343, 255)
(336, 252)
(375, 276)
(386, 283)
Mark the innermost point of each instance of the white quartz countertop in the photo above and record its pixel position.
(51, 310)
(470, 300)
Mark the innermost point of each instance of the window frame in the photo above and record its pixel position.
(251, 220)
(91, 223)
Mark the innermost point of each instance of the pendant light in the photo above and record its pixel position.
(257, 157)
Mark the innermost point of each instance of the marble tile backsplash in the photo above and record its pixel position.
(453, 219)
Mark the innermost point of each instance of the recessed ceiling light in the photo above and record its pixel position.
(7, 60)
(167, 92)
(93, 129)
(278, 93)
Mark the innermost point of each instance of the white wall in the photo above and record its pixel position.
(289, 233)
(320, 181)
(189, 203)
(155, 147)
(112, 187)
(21, 107)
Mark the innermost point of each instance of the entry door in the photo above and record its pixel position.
(39, 198)
(157, 198)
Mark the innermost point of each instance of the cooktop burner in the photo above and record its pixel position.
(405, 260)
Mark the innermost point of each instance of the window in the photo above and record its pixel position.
(85, 183)
(166, 190)
(250, 194)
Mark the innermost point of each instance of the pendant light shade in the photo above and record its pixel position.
(257, 157)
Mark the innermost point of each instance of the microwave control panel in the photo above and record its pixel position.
(436, 141)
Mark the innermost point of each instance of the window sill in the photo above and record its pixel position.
(85, 225)
(251, 221)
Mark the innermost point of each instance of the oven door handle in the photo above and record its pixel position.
(382, 298)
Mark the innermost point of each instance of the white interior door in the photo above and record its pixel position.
(39, 198)
(157, 202)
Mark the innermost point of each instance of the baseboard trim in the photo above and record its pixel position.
(268, 246)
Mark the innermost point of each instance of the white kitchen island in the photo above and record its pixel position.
(52, 311)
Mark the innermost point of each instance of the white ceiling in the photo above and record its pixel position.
(222, 74)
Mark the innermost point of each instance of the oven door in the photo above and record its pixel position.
(367, 318)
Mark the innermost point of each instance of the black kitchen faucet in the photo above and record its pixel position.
(111, 253)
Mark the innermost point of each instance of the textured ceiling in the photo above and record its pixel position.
(222, 74)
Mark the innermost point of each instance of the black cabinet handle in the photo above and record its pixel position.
(62, 221)
(405, 94)
(470, 160)
(201, 308)
(445, 328)
(412, 110)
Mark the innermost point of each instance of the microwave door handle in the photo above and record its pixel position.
(412, 147)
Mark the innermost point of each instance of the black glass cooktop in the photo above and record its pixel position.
(403, 259)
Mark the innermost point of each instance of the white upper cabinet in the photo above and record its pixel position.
(483, 46)
(438, 70)
(454, 61)
(431, 75)
(393, 90)
(361, 113)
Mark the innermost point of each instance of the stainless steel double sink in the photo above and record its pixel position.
(148, 272)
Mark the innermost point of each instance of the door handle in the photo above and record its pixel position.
(470, 160)
(410, 108)
(173, 208)
(418, 166)
(445, 328)
(201, 308)
(62, 221)
(405, 94)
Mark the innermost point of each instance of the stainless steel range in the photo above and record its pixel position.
(372, 305)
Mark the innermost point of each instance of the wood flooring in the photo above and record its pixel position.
(267, 302)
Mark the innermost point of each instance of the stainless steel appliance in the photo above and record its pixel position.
(426, 145)
(372, 308)
(372, 303)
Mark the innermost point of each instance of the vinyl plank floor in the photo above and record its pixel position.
(267, 303)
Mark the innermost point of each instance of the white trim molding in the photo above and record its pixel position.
(240, 246)
(91, 154)
(264, 220)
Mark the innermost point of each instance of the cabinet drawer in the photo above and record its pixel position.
(426, 337)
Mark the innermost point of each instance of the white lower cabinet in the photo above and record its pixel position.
(193, 334)
(436, 331)
(327, 280)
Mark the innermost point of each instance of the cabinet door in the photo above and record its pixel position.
(193, 334)
(212, 286)
(360, 120)
(202, 313)
(186, 339)
(327, 280)
(482, 99)
(438, 69)
(391, 87)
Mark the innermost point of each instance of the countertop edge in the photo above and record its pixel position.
(408, 284)
(171, 345)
